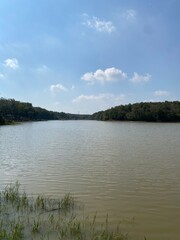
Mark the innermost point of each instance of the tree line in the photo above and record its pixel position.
(16, 111)
(145, 111)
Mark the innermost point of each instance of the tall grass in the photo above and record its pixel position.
(40, 218)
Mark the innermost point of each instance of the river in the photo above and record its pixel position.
(128, 170)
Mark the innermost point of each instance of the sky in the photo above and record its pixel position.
(85, 56)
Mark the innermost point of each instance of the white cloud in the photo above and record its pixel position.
(160, 93)
(97, 102)
(108, 75)
(83, 98)
(11, 63)
(98, 24)
(119, 99)
(140, 78)
(99, 97)
(55, 88)
(130, 15)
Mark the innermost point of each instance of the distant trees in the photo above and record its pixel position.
(16, 111)
(146, 111)
(11, 110)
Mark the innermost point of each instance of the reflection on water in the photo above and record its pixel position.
(128, 170)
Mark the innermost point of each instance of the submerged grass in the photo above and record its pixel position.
(23, 217)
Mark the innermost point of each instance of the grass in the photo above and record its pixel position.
(41, 218)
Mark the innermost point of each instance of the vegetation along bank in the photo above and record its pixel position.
(16, 111)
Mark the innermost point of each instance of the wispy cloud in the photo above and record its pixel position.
(160, 93)
(2, 76)
(93, 103)
(102, 76)
(11, 63)
(97, 24)
(103, 96)
(42, 69)
(130, 15)
(137, 78)
(56, 88)
(83, 98)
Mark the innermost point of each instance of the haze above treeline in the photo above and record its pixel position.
(15, 111)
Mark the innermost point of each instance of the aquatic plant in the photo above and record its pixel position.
(23, 217)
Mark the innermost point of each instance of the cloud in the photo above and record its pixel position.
(108, 75)
(160, 93)
(99, 97)
(42, 69)
(140, 78)
(11, 63)
(55, 88)
(98, 24)
(130, 15)
(2, 76)
(97, 102)
(83, 98)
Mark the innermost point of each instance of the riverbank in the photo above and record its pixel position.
(16, 111)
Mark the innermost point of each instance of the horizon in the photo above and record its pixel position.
(89, 113)
(84, 57)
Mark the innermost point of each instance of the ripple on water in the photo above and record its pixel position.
(128, 170)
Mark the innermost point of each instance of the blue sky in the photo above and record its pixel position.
(84, 56)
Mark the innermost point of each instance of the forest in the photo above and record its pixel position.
(15, 111)
(144, 111)
(12, 111)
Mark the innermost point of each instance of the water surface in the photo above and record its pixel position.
(126, 169)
